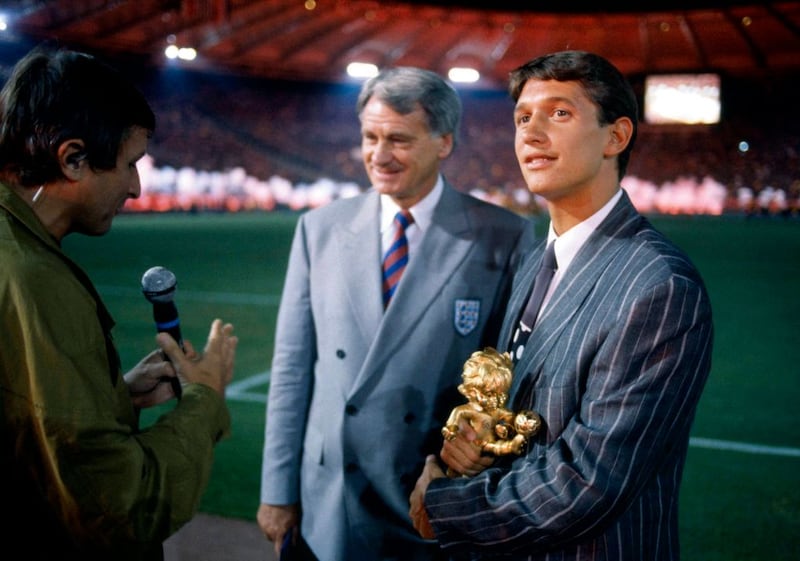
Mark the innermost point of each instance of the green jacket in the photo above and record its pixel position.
(83, 479)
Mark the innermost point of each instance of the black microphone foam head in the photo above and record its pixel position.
(158, 285)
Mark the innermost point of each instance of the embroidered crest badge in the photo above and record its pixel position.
(466, 314)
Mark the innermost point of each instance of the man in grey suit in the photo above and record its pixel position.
(348, 370)
(615, 363)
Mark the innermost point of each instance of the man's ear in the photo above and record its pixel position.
(620, 133)
(446, 146)
(71, 156)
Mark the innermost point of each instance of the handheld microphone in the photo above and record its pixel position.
(158, 286)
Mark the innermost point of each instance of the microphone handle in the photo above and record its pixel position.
(166, 317)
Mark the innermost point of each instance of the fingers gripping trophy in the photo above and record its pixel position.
(486, 379)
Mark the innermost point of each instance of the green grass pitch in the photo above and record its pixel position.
(738, 503)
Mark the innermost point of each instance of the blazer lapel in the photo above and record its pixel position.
(592, 259)
(359, 245)
(442, 250)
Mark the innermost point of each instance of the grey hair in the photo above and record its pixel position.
(405, 88)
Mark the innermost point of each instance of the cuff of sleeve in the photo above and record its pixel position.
(436, 510)
(206, 404)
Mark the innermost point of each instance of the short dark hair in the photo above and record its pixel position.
(54, 95)
(602, 81)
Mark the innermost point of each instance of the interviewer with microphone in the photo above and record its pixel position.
(82, 479)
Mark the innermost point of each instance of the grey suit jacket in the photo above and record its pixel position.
(615, 366)
(358, 396)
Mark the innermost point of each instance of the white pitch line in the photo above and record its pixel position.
(241, 386)
(239, 391)
(760, 449)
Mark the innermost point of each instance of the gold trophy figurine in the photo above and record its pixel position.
(486, 379)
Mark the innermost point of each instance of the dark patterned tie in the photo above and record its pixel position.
(396, 257)
(540, 285)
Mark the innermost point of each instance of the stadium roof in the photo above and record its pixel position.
(316, 39)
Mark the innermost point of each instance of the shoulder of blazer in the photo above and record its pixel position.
(629, 237)
(352, 212)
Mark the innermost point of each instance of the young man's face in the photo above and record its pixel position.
(561, 148)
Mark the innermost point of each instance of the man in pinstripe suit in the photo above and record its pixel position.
(615, 363)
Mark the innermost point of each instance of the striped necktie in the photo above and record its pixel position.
(396, 257)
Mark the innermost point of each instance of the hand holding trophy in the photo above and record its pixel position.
(486, 379)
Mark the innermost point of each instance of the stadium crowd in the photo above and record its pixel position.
(230, 143)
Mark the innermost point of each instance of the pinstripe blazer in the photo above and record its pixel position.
(615, 366)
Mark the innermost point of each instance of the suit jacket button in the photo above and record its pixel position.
(351, 467)
(409, 418)
(340, 353)
(351, 410)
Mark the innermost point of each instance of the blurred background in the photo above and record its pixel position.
(255, 98)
